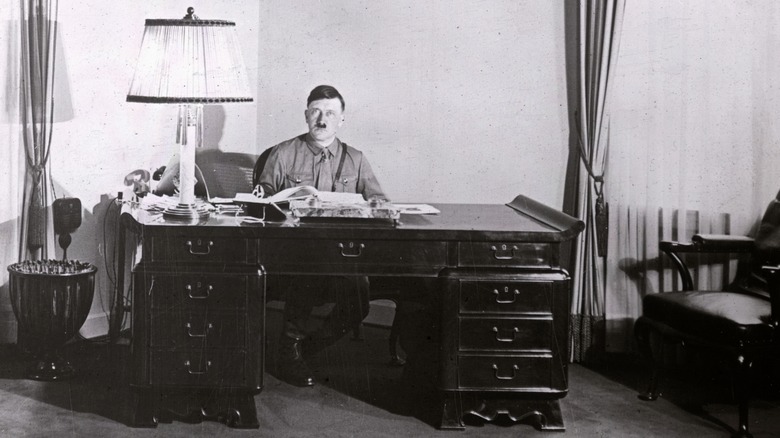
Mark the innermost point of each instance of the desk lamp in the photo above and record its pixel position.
(190, 63)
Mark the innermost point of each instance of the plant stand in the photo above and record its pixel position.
(51, 300)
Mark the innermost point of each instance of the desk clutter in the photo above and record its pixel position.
(306, 202)
(295, 203)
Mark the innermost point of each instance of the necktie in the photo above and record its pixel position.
(325, 179)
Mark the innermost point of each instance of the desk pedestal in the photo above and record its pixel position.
(198, 342)
(503, 345)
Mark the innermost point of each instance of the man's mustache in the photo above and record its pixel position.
(320, 125)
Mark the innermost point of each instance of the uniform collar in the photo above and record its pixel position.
(316, 149)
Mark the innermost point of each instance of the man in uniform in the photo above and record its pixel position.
(319, 159)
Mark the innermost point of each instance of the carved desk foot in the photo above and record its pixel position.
(543, 414)
(235, 410)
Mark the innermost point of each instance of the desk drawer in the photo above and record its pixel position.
(506, 297)
(505, 372)
(506, 334)
(187, 249)
(195, 291)
(198, 329)
(506, 254)
(274, 252)
(199, 367)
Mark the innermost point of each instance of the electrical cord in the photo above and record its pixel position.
(110, 256)
(109, 266)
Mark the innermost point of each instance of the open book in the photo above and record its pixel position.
(301, 192)
(306, 202)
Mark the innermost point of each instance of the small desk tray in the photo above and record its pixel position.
(318, 209)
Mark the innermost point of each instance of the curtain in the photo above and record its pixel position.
(695, 143)
(37, 94)
(598, 24)
(12, 157)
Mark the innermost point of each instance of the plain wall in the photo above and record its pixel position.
(452, 101)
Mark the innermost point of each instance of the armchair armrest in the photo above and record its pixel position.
(704, 243)
(711, 243)
(724, 243)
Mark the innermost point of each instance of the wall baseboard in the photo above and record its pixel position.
(96, 325)
(381, 314)
(8, 330)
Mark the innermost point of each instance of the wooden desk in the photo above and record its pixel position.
(199, 303)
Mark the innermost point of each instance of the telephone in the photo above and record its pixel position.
(66, 215)
(169, 181)
(139, 179)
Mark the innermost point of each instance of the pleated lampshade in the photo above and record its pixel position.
(189, 61)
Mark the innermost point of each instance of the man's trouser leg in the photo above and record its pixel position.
(299, 296)
(351, 305)
(350, 298)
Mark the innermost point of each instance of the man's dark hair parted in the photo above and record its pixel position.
(325, 92)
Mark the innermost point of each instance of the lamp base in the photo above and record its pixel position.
(187, 212)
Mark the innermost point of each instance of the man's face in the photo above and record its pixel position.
(324, 118)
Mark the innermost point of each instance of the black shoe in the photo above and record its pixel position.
(290, 364)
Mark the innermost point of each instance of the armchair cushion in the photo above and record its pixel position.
(712, 316)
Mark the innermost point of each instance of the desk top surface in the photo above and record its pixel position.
(523, 219)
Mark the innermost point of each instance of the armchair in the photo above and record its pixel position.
(741, 322)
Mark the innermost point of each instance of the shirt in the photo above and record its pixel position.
(296, 162)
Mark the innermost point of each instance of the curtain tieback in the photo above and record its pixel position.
(602, 225)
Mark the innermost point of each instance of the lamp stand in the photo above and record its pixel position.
(188, 136)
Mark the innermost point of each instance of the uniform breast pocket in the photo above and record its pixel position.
(347, 183)
(299, 179)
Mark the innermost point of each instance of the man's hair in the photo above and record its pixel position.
(325, 92)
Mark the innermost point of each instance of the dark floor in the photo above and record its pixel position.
(360, 395)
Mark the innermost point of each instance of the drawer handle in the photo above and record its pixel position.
(191, 294)
(199, 248)
(352, 249)
(499, 338)
(504, 252)
(205, 333)
(514, 295)
(514, 371)
(205, 370)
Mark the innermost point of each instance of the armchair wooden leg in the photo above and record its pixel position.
(642, 335)
(651, 394)
(743, 382)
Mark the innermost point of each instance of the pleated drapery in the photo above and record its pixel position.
(599, 23)
(38, 55)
